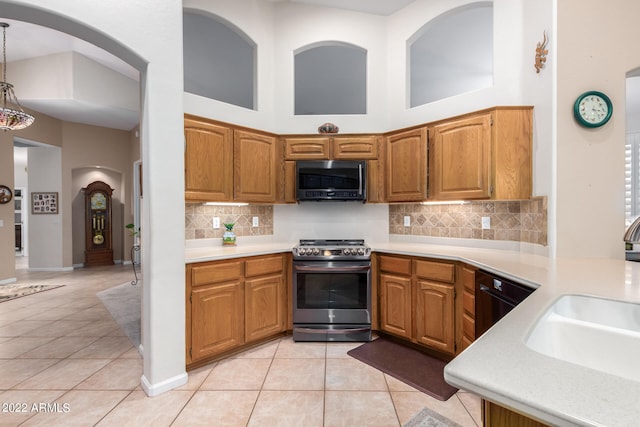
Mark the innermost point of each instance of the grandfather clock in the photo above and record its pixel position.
(97, 218)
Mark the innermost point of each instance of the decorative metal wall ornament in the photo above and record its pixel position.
(10, 118)
(541, 53)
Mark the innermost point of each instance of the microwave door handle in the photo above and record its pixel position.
(360, 179)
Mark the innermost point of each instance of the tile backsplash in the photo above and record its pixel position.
(199, 220)
(520, 220)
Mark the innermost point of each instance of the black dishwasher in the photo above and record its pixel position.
(495, 297)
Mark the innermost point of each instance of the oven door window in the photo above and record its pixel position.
(332, 291)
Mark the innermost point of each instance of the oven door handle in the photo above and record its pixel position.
(316, 268)
(487, 290)
(332, 331)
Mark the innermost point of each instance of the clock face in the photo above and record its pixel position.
(98, 201)
(5, 194)
(593, 109)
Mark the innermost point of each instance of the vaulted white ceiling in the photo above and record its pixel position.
(26, 41)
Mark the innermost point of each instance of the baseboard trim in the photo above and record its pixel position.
(51, 269)
(9, 280)
(163, 386)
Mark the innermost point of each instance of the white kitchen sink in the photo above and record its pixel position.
(598, 333)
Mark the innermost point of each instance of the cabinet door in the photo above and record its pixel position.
(255, 167)
(511, 153)
(217, 319)
(435, 315)
(355, 147)
(395, 305)
(460, 159)
(264, 307)
(407, 166)
(208, 161)
(306, 148)
(468, 276)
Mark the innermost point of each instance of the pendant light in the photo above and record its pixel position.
(10, 118)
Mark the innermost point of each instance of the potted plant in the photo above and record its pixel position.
(229, 237)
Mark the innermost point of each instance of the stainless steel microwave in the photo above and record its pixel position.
(331, 180)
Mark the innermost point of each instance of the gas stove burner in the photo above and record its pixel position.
(332, 250)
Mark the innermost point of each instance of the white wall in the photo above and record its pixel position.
(538, 90)
(255, 18)
(507, 63)
(331, 220)
(590, 162)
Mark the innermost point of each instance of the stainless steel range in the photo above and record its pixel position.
(332, 290)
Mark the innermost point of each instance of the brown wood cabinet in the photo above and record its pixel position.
(406, 166)
(417, 300)
(481, 156)
(355, 147)
(208, 160)
(224, 163)
(265, 295)
(255, 164)
(498, 416)
(307, 148)
(233, 303)
(434, 304)
(468, 310)
(215, 320)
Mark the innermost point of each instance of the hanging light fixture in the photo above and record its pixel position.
(10, 118)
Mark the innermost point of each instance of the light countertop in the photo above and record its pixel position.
(498, 365)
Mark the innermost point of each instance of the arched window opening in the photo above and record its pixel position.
(451, 54)
(330, 78)
(219, 60)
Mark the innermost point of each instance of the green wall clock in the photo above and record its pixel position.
(592, 109)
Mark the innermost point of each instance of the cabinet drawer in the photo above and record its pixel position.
(213, 273)
(262, 266)
(395, 265)
(439, 271)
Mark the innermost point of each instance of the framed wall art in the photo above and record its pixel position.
(44, 203)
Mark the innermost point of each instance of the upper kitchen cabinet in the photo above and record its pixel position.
(208, 148)
(485, 155)
(355, 147)
(255, 166)
(307, 148)
(224, 163)
(406, 160)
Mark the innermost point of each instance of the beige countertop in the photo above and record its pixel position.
(498, 365)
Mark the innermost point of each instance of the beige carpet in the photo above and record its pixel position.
(12, 291)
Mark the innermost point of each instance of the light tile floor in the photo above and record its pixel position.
(64, 362)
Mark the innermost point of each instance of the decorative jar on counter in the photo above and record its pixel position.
(229, 237)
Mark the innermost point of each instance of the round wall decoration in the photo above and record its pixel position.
(5, 194)
(592, 109)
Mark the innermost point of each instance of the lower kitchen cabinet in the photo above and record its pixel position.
(434, 315)
(233, 303)
(468, 310)
(395, 305)
(265, 297)
(417, 300)
(217, 324)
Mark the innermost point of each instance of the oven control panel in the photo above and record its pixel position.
(355, 252)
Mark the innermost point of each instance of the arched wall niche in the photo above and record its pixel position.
(220, 60)
(451, 54)
(330, 77)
